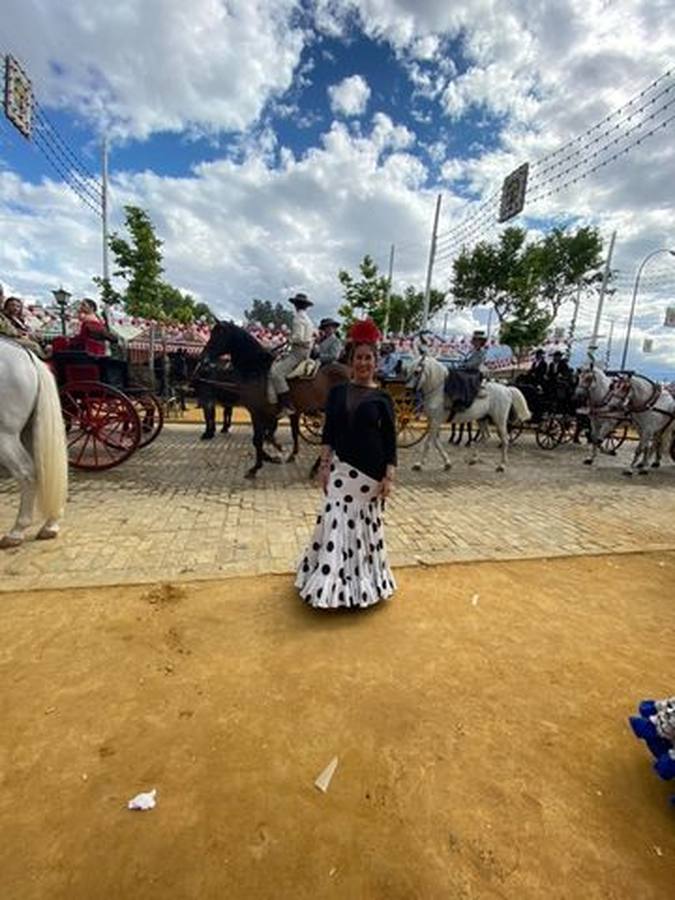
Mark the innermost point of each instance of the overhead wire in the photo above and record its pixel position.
(62, 158)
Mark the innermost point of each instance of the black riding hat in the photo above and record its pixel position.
(301, 301)
(325, 323)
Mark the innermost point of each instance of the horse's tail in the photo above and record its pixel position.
(49, 446)
(519, 405)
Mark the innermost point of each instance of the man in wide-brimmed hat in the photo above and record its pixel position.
(300, 346)
(474, 361)
(329, 345)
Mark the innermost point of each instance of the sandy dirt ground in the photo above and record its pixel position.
(479, 719)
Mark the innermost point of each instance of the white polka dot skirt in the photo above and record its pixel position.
(345, 563)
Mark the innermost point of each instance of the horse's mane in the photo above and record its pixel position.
(247, 353)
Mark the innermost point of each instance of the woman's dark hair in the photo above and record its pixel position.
(91, 304)
(12, 300)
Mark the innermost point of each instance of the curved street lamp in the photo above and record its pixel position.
(634, 301)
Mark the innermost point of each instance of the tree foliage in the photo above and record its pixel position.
(138, 263)
(367, 296)
(268, 314)
(526, 283)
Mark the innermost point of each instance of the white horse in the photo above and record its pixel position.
(495, 402)
(596, 387)
(652, 408)
(32, 440)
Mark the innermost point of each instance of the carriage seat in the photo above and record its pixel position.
(307, 369)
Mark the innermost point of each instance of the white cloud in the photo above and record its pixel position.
(158, 65)
(349, 97)
(238, 229)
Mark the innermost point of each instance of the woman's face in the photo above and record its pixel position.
(13, 308)
(364, 363)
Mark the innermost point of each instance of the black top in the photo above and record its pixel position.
(360, 428)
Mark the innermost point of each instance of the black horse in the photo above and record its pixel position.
(249, 386)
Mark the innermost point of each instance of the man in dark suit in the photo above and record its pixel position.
(538, 369)
(559, 369)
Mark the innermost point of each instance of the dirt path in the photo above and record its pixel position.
(482, 740)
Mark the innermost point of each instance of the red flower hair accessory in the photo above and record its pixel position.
(364, 332)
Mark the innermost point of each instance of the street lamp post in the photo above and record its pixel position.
(62, 298)
(634, 300)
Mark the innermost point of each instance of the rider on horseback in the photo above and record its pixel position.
(463, 384)
(301, 340)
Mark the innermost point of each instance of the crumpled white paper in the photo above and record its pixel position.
(144, 801)
(325, 777)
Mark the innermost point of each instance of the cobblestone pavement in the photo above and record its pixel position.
(181, 509)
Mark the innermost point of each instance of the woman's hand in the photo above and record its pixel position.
(324, 476)
(386, 487)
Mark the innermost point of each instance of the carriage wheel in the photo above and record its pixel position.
(550, 432)
(569, 429)
(311, 427)
(151, 416)
(515, 429)
(615, 439)
(102, 425)
(411, 424)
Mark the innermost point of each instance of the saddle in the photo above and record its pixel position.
(307, 369)
(462, 388)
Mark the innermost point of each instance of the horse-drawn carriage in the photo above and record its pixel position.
(556, 419)
(107, 417)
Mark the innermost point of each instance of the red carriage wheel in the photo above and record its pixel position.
(150, 413)
(102, 425)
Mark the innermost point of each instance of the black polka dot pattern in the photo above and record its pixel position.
(345, 562)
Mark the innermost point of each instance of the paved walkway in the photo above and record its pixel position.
(181, 509)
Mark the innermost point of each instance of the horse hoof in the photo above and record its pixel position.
(417, 467)
(472, 462)
(656, 465)
(7, 542)
(207, 437)
(500, 468)
(628, 473)
(250, 475)
(588, 462)
(47, 534)
(447, 467)
(643, 472)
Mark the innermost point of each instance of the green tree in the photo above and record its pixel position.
(406, 310)
(367, 296)
(268, 314)
(526, 327)
(138, 263)
(527, 283)
(364, 296)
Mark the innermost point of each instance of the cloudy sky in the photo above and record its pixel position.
(276, 141)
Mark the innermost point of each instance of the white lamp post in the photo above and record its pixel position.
(634, 301)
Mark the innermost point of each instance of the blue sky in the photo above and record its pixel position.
(274, 142)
